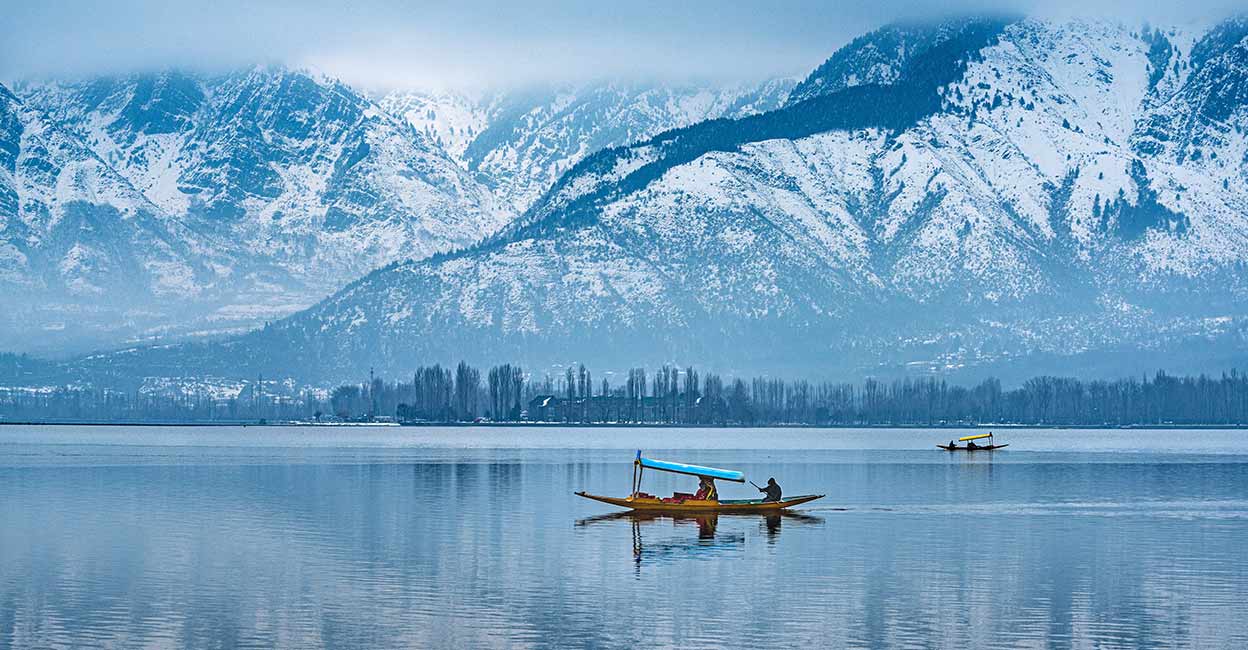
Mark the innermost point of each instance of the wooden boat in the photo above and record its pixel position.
(652, 504)
(988, 447)
(651, 516)
(641, 501)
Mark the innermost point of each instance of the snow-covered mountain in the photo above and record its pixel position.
(520, 141)
(77, 241)
(264, 190)
(281, 187)
(957, 195)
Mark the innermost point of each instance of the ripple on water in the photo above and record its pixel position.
(350, 545)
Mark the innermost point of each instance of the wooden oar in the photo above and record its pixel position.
(756, 485)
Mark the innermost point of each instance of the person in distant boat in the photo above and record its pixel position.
(972, 445)
(706, 489)
(771, 492)
(953, 444)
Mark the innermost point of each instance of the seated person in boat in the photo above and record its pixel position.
(953, 444)
(771, 492)
(971, 445)
(706, 489)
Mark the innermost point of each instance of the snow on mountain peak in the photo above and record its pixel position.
(284, 184)
(520, 142)
(980, 192)
(973, 191)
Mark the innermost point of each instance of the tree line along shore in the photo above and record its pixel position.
(668, 396)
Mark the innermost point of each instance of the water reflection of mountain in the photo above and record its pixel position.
(699, 536)
(475, 549)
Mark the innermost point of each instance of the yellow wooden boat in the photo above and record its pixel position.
(653, 504)
(967, 447)
(640, 501)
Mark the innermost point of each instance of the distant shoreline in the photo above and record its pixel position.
(613, 425)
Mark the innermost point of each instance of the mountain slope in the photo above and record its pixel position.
(287, 186)
(283, 186)
(883, 57)
(520, 142)
(1009, 190)
(77, 240)
(318, 178)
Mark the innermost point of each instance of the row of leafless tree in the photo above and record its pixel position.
(670, 395)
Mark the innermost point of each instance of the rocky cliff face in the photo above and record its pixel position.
(282, 187)
(192, 203)
(520, 142)
(314, 177)
(77, 241)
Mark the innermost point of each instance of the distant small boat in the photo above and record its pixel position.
(980, 436)
(687, 503)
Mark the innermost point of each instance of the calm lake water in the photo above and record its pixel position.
(471, 537)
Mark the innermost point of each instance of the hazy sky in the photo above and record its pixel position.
(470, 43)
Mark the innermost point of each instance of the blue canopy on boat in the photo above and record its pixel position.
(694, 470)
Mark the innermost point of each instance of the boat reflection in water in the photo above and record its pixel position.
(709, 540)
(773, 521)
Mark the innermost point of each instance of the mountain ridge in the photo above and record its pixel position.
(519, 142)
(286, 185)
(1047, 255)
(1011, 189)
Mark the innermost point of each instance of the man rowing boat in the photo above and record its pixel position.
(707, 501)
(772, 492)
